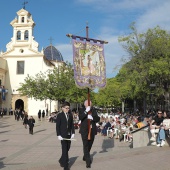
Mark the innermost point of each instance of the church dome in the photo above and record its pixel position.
(52, 54)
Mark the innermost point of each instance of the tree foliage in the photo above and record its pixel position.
(56, 84)
(150, 57)
(149, 62)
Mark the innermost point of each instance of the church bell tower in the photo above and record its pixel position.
(23, 26)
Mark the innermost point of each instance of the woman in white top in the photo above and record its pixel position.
(165, 125)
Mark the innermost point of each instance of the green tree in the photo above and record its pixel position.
(57, 84)
(149, 58)
(149, 61)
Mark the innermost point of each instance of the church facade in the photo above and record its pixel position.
(22, 58)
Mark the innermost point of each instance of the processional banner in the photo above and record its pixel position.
(3, 93)
(89, 64)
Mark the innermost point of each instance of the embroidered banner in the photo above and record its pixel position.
(89, 64)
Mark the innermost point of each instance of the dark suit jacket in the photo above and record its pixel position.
(84, 122)
(63, 128)
(31, 122)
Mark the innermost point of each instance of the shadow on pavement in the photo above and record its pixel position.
(3, 140)
(107, 143)
(2, 123)
(1, 162)
(5, 131)
(72, 160)
(40, 131)
(2, 165)
(92, 155)
(4, 117)
(4, 126)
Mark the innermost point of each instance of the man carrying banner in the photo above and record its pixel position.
(65, 132)
(88, 112)
(89, 72)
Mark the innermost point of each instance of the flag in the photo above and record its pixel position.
(89, 64)
(3, 93)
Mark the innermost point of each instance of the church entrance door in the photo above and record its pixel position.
(19, 104)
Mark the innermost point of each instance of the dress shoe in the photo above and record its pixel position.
(84, 158)
(88, 165)
(61, 164)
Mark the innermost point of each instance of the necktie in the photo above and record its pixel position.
(67, 119)
(67, 116)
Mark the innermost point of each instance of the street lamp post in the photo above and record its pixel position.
(167, 100)
(123, 104)
(152, 86)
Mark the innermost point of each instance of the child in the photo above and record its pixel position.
(31, 122)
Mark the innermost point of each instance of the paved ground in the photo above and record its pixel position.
(41, 151)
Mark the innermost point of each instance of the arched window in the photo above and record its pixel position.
(26, 35)
(22, 19)
(18, 35)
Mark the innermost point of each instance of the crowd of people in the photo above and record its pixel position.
(5, 111)
(117, 125)
(114, 125)
(52, 117)
(121, 126)
(28, 122)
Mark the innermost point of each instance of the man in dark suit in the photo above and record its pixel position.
(65, 130)
(31, 123)
(88, 113)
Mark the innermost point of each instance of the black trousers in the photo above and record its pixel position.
(87, 145)
(18, 117)
(65, 144)
(31, 129)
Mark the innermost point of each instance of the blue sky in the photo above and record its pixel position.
(107, 20)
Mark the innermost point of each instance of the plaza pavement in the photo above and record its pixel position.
(21, 151)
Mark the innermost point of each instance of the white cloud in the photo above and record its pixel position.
(113, 53)
(148, 13)
(118, 5)
(158, 15)
(66, 51)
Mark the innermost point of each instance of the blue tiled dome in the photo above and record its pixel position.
(52, 54)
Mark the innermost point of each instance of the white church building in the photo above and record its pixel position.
(22, 58)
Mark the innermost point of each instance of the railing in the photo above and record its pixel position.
(138, 129)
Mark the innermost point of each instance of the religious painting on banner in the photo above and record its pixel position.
(89, 64)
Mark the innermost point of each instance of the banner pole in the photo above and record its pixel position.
(84, 44)
(88, 92)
